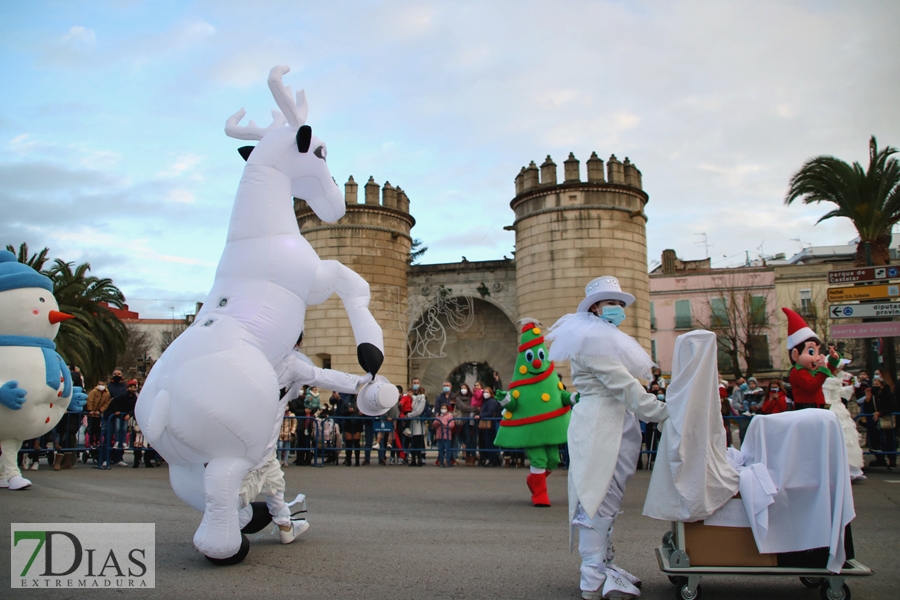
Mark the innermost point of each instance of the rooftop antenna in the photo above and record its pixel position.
(704, 242)
(803, 245)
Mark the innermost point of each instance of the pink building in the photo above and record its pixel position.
(738, 304)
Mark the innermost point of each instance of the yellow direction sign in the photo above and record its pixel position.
(863, 292)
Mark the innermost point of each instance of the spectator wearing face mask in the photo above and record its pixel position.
(443, 427)
(487, 429)
(97, 403)
(416, 455)
(737, 395)
(119, 413)
(445, 398)
(466, 427)
(883, 403)
(753, 397)
(776, 400)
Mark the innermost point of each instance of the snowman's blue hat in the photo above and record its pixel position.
(15, 275)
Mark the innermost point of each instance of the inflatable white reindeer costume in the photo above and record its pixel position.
(211, 404)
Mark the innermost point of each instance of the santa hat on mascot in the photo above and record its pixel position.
(798, 330)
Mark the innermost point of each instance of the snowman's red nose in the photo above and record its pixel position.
(55, 317)
(536, 363)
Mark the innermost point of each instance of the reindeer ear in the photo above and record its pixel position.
(304, 138)
(245, 151)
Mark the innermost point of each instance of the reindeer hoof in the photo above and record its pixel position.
(234, 558)
(369, 357)
(260, 519)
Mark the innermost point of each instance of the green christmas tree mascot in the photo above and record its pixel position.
(537, 410)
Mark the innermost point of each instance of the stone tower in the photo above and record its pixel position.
(372, 239)
(571, 232)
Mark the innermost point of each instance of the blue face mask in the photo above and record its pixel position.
(745, 387)
(446, 389)
(613, 314)
(661, 396)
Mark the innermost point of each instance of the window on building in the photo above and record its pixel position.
(652, 318)
(758, 314)
(719, 308)
(760, 348)
(724, 356)
(326, 360)
(653, 351)
(682, 314)
(806, 305)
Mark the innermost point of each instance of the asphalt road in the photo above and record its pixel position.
(408, 533)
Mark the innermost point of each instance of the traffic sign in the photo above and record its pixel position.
(863, 292)
(855, 311)
(866, 330)
(863, 274)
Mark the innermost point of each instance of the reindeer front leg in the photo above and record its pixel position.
(353, 291)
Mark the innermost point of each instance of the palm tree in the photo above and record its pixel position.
(35, 261)
(869, 198)
(95, 337)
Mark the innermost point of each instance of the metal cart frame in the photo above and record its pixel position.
(674, 562)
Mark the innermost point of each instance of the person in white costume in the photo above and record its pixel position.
(834, 390)
(604, 433)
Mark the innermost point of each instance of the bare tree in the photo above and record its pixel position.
(168, 335)
(741, 314)
(133, 360)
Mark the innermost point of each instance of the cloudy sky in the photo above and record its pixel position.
(112, 148)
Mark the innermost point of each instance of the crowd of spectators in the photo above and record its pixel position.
(873, 404)
(459, 425)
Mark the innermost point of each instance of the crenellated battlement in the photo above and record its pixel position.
(620, 173)
(387, 196)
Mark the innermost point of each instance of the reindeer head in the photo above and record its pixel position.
(289, 146)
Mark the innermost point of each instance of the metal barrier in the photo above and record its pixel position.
(324, 443)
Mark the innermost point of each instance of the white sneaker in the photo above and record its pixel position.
(375, 446)
(297, 528)
(17, 482)
(632, 579)
(34, 466)
(617, 586)
(122, 463)
(747, 414)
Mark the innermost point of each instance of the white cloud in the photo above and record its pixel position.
(22, 144)
(182, 165)
(79, 36)
(181, 197)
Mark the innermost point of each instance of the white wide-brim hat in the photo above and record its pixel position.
(377, 397)
(605, 287)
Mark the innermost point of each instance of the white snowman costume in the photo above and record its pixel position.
(604, 437)
(35, 383)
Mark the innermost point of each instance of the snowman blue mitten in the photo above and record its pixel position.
(79, 399)
(12, 396)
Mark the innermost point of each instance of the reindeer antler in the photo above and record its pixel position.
(252, 131)
(295, 111)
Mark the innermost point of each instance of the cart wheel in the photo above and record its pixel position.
(684, 593)
(812, 582)
(842, 593)
(678, 580)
